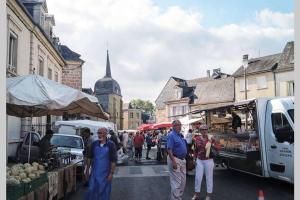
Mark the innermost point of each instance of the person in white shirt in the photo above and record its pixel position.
(189, 139)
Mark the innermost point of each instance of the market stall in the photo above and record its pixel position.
(55, 174)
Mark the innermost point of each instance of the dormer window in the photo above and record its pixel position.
(178, 93)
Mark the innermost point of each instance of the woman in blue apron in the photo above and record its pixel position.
(103, 155)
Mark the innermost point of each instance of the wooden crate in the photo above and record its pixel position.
(61, 185)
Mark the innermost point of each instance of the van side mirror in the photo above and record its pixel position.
(284, 134)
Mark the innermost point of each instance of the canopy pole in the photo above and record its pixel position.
(29, 150)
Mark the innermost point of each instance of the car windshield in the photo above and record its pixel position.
(67, 141)
(291, 113)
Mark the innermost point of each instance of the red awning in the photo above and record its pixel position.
(145, 127)
(162, 125)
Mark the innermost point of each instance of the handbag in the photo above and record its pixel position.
(190, 165)
(213, 152)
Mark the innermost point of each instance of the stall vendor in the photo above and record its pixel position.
(103, 157)
(236, 122)
(45, 145)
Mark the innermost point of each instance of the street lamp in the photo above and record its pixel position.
(245, 65)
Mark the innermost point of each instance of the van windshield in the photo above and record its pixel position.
(67, 141)
(291, 113)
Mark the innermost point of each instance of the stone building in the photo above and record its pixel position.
(108, 92)
(132, 117)
(266, 76)
(31, 48)
(180, 96)
(72, 72)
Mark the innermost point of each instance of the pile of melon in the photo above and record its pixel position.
(19, 173)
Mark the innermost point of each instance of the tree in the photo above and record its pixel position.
(146, 106)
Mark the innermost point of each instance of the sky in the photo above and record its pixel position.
(151, 40)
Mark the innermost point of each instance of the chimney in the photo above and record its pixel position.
(245, 61)
(56, 42)
(208, 73)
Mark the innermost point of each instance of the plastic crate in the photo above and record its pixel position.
(14, 192)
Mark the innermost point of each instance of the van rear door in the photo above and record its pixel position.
(279, 134)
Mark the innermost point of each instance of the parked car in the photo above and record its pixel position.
(69, 143)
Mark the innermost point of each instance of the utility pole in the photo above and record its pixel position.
(245, 65)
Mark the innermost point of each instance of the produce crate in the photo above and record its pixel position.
(35, 183)
(41, 193)
(61, 185)
(14, 192)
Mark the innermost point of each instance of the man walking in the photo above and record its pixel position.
(149, 145)
(138, 141)
(177, 150)
(103, 157)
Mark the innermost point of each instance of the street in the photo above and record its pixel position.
(150, 181)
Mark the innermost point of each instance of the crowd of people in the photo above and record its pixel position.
(178, 150)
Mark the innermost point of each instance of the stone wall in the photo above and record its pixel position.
(72, 75)
(161, 115)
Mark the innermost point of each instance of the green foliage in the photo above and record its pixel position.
(146, 106)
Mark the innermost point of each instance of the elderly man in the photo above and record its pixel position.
(177, 150)
(103, 157)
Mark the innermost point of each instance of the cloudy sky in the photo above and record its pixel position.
(151, 40)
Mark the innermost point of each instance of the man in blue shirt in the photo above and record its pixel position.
(103, 157)
(177, 150)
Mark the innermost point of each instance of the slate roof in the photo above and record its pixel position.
(168, 93)
(215, 91)
(68, 54)
(261, 64)
(287, 58)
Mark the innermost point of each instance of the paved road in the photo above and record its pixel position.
(150, 180)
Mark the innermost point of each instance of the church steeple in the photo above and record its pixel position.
(108, 73)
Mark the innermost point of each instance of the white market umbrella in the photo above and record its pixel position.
(34, 96)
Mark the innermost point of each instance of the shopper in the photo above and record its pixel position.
(87, 139)
(103, 157)
(149, 145)
(138, 142)
(130, 146)
(177, 150)
(204, 163)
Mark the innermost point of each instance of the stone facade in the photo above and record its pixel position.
(72, 72)
(108, 92)
(30, 49)
(161, 115)
(253, 91)
(132, 117)
(72, 75)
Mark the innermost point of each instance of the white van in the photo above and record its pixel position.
(74, 127)
(265, 147)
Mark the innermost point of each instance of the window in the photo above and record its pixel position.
(41, 66)
(34, 139)
(56, 76)
(279, 120)
(184, 109)
(178, 93)
(242, 85)
(12, 50)
(261, 82)
(49, 73)
(290, 88)
(291, 113)
(131, 115)
(174, 110)
(138, 115)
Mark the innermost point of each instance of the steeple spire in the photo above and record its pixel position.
(108, 73)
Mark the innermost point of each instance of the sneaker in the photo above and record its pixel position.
(196, 197)
(207, 198)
